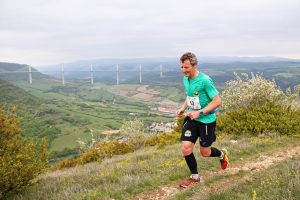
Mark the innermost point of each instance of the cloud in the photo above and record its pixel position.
(47, 32)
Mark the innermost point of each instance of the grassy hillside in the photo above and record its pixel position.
(14, 72)
(153, 172)
(32, 112)
(279, 182)
(11, 94)
(65, 114)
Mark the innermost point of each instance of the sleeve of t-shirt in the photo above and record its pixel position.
(210, 88)
(184, 80)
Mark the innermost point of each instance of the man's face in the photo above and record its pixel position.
(187, 69)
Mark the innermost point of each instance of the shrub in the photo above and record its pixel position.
(20, 162)
(260, 119)
(179, 124)
(110, 148)
(245, 92)
(257, 106)
(162, 139)
(89, 156)
(135, 132)
(100, 150)
(293, 98)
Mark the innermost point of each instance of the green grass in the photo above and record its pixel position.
(69, 138)
(244, 150)
(77, 108)
(125, 176)
(279, 182)
(39, 87)
(175, 93)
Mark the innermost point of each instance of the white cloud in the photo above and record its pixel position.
(43, 32)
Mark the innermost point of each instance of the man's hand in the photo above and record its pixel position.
(194, 114)
(179, 112)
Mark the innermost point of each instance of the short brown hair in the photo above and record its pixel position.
(191, 57)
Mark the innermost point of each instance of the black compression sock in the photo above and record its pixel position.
(192, 163)
(215, 152)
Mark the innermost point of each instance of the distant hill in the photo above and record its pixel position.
(27, 104)
(11, 67)
(14, 71)
(31, 111)
(232, 59)
(12, 95)
(155, 62)
(285, 71)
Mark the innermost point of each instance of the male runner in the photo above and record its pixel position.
(202, 100)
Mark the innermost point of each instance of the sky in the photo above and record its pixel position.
(44, 32)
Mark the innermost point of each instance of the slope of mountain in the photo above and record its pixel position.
(12, 95)
(64, 114)
(34, 113)
(156, 62)
(155, 173)
(14, 71)
(285, 71)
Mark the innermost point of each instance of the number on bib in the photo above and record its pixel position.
(193, 103)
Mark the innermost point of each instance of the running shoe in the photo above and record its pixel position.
(224, 161)
(189, 182)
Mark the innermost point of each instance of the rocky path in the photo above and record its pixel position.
(253, 166)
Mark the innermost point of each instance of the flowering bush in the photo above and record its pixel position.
(258, 106)
(245, 92)
(135, 131)
(20, 162)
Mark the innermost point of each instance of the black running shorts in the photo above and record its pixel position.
(192, 129)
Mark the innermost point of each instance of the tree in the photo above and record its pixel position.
(20, 162)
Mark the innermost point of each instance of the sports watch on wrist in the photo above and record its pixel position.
(201, 112)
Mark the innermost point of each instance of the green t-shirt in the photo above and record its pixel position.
(200, 91)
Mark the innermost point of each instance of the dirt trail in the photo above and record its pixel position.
(263, 162)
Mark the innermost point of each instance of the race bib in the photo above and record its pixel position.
(193, 103)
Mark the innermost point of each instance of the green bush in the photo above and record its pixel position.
(63, 153)
(20, 162)
(135, 131)
(245, 92)
(179, 124)
(97, 152)
(257, 106)
(110, 148)
(162, 139)
(260, 119)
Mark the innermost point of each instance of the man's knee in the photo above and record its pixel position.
(186, 150)
(205, 152)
